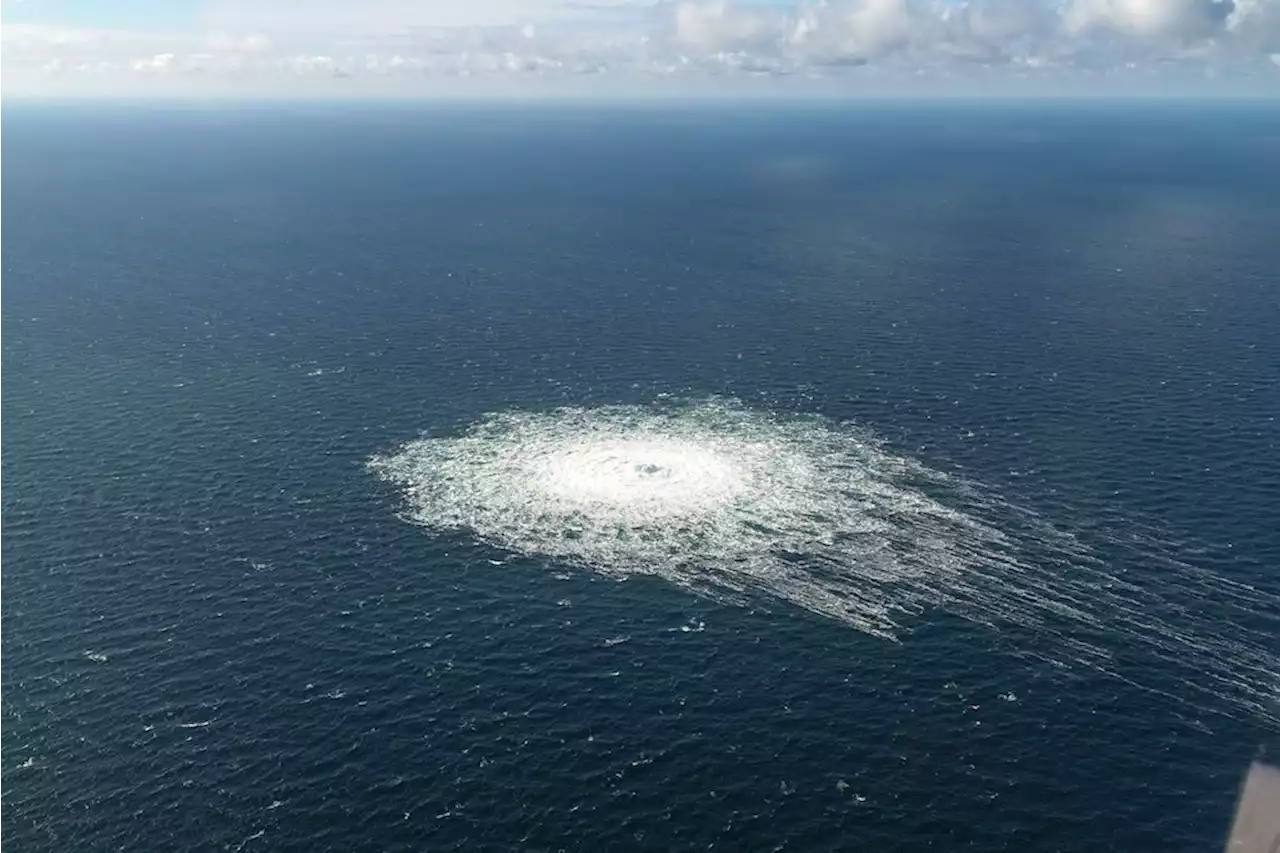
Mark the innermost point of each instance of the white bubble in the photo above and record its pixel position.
(713, 497)
(743, 505)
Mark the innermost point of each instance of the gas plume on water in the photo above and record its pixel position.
(741, 505)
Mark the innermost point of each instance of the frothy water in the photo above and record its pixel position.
(742, 505)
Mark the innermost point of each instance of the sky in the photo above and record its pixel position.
(621, 48)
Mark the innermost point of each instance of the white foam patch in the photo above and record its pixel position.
(739, 504)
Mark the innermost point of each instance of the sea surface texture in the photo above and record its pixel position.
(655, 477)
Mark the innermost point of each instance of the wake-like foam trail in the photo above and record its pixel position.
(738, 504)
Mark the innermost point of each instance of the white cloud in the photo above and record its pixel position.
(999, 22)
(1013, 30)
(159, 62)
(852, 32)
(312, 64)
(402, 47)
(281, 17)
(227, 43)
(1256, 24)
(1150, 19)
(718, 26)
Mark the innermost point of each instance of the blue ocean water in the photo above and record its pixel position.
(219, 632)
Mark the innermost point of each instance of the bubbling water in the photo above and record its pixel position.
(714, 497)
(641, 475)
(741, 505)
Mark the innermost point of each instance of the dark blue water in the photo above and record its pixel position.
(218, 634)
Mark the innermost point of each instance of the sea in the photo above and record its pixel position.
(224, 629)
